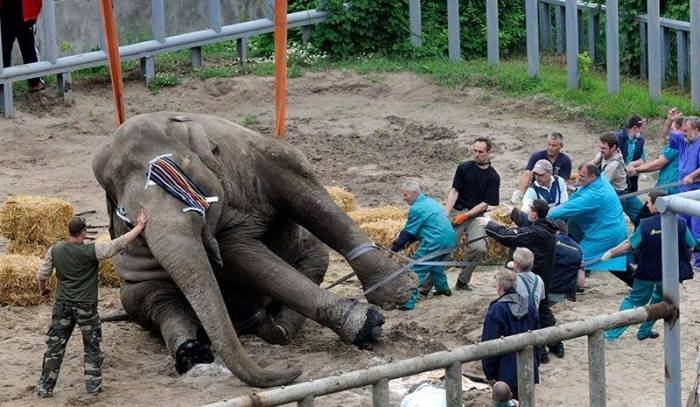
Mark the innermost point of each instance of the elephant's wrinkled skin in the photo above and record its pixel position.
(255, 261)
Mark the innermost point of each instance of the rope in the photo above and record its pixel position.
(164, 172)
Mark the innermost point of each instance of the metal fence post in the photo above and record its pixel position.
(148, 68)
(242, 50)
(415, 23)
(453, 385)
(158, 15)
(7, 105)
(533, 50)
(695, 50)
(682, 57)
(65, 87)
(215, 15)
(593, 27)
(665, 51)
(380, 393)
(560, 28)
(579, 30)
(492, 31)
(654, 39)
(453, 43)
(643, 51)
(196, 57)
(545, 24)
(572, 45)
(596, 369)
(526, 377)
(49, 22)
(672, 327)
(612, 46)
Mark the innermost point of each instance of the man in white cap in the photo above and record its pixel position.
(546, 186)
(561, 164)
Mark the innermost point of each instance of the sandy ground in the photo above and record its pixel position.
(366, 133)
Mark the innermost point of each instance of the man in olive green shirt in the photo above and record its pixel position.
(76, 265)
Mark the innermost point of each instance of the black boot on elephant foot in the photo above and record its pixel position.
(370, 331)
(190, 353)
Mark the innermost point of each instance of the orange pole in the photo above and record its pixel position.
(115, 69)
(280, 65)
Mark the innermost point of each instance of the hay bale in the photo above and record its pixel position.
(345, 199)
(496, 253)
(30, 222)
(18, 284)
(382, 232)
(107, 274)
(379, 213)
(27, 248)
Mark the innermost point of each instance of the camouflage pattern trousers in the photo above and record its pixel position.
(65, 316)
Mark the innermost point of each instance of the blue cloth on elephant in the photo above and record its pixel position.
(597, 212)
(428, 223)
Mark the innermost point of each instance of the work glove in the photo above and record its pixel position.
(461, 218)
(517, 197)
(607, 255)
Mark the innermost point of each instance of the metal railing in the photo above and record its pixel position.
(569, 32)
(145, 51)
(378, 376)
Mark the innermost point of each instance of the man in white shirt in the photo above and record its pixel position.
(546, 186)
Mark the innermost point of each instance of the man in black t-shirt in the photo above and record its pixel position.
(474, 187)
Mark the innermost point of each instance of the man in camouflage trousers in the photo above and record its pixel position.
(76, 265)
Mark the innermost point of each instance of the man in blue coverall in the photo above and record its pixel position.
(648, 285)
(428, 224)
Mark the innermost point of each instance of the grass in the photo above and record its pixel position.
(590, 102)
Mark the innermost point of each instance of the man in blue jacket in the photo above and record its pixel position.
(648, 285)
(428, 224)
(596, 212)
(509, 314)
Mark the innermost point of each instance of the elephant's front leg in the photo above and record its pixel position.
(161, 305)
(258, 266)
(309, 256)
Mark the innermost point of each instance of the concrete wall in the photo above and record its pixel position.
(78, 23)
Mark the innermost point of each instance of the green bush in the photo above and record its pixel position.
(382, 27)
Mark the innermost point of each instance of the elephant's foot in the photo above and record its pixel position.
(356, 323)
(370, 331)
(191, 352)
(272, 332)
(281, 327)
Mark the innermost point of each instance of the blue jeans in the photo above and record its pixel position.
(643, 292)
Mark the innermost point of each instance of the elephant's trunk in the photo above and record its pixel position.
(177, 247)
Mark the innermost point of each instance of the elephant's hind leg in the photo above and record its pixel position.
(161, 305)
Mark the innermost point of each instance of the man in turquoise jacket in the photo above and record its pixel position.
(596, 210)
(428, 224)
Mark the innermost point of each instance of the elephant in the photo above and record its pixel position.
(251, 259)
